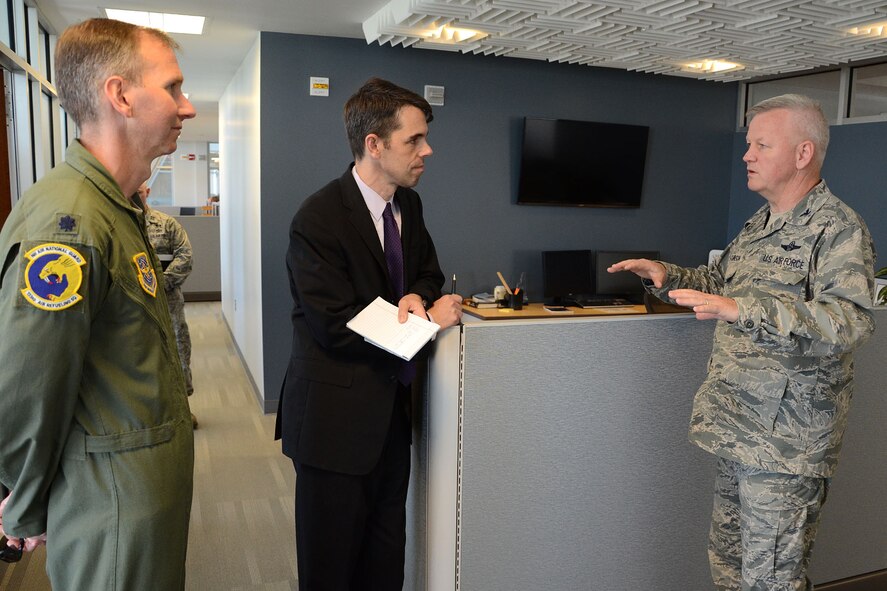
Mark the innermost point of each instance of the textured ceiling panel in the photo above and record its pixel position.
(764, 37)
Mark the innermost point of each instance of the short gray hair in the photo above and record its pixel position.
(87, 53)
(813, 124)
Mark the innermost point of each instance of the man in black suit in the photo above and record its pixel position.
(343, 412)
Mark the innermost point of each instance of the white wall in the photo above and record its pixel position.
(190, 177)
(204, 127)
(240, 209)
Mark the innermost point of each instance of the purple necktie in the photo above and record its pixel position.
(393, 251)
(394, 260)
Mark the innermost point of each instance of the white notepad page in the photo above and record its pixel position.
(378, 325)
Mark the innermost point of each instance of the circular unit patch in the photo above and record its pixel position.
(53, 276)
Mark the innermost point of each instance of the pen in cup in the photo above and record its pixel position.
(520, 282)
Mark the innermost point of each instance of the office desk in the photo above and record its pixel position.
(536, 311)
(554, 455)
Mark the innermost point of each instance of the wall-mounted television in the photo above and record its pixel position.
(582, 163)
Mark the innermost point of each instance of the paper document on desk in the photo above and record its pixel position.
(378, 325)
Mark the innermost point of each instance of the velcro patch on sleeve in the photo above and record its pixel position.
(53, 276)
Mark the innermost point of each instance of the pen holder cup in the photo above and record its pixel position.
(515, 301)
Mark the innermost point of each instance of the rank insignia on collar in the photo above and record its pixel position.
(790, 246)
(53, 276)
(147, 278)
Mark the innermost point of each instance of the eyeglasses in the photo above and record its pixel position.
(10, 554)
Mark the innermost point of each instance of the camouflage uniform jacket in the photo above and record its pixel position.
(169, 240)
(779, 383)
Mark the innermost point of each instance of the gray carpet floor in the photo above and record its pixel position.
(242, 516)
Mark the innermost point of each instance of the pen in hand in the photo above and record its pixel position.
(453, 286)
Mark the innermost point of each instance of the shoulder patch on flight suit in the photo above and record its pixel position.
(53, 276)
(145, 272)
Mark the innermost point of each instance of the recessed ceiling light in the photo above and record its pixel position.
(448, 34)
(872, 30)
(171, 23)
(710, 66)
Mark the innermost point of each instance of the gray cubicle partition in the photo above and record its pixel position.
(205, 281)
(554, 455)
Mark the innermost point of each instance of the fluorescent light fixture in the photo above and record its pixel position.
(873, 30)
(710, 67)
(171, 23)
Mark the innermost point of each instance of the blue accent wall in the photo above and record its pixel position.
(469, 187)
(855, 170)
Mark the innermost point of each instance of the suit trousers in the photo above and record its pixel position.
(351, 529)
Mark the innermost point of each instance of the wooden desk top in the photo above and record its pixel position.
(537, 311)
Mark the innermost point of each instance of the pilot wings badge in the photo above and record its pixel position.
(147, 278)
(53, 276)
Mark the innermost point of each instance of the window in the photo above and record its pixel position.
(161, 182)
(43, 53)
(823, 87)
(868, 91)
(213, 157)
(6, 26)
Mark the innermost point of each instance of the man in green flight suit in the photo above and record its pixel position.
(791, 295)
(95, 436)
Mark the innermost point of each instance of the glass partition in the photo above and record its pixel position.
(868, 91)
(824, 87)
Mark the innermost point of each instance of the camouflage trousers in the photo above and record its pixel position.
(183, 336)
(762, 528)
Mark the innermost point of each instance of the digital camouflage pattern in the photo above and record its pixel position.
(763, 528)
(169, 239)
(779, 384)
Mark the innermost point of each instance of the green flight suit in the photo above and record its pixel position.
(95, 431)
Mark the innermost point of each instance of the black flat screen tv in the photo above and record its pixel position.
(582, 163)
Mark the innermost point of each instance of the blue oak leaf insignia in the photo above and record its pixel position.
(67, 223)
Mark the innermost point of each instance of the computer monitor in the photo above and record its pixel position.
(619, 284)
(566, 274)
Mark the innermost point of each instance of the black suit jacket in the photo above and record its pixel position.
(337, 399)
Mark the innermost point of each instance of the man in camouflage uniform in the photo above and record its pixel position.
(170, 242)
(792, 295)
(95, 439)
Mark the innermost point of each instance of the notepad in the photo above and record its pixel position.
(378, 325)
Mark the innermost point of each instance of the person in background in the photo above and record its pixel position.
(170, 242)
(96, 444)
(791, 296)
(343, 414)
